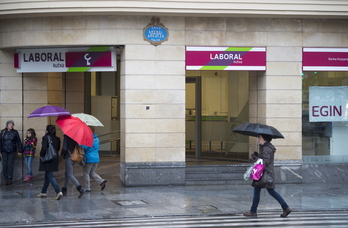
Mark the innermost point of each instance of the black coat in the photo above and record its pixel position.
(267, 151)
(51, 166)
(10, 140)
(68, 145)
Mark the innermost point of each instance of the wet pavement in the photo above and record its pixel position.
(19, 203)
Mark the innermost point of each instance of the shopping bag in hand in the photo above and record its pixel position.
(248, 173)
(258, 169)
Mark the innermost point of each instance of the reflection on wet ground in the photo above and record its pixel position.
(19, 202)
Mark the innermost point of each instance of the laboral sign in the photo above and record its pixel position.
(225, 58)
(328, 103)
(79, 59)
(325, 59)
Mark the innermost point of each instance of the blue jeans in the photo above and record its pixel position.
(49, 178)
(272, 192)
(69, 173)
(28, 162)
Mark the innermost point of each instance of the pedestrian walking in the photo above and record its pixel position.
(10, 142)
(50, 166)
(68, 148)
(91, 164)
(267, 151)
(29, 149)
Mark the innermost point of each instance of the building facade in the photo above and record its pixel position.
(166, 113)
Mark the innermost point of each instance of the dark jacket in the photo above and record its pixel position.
(267, 151)
(10, 140)
(68, 145)
(51, 166)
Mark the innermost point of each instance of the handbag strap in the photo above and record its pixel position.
(49, 139)
(259, 161)
(76, 145)
(3, 133)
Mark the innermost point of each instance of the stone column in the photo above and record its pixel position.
(152, 115)
(11, 99)
(278, 90)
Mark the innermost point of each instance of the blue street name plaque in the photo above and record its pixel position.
(155, 32)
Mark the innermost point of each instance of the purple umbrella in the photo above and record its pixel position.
(49, 110)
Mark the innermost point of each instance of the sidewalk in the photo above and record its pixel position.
(19, 202)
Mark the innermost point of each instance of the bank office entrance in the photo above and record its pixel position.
(81, 79)
(102, 92)
(217, 100)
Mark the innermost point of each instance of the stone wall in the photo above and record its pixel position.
(154, 77)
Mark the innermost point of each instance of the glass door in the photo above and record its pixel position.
(216, 102)
(102, 101)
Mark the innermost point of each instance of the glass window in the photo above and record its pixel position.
(322, 138)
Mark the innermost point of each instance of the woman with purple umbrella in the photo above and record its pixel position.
(50, 166)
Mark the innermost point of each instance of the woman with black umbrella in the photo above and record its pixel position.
(267, 151)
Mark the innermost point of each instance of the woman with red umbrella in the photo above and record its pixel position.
(77, 133)
(68, 148)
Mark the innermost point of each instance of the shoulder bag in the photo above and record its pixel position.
(77, 154)
(51, 152)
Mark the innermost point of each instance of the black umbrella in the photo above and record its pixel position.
(256, 129)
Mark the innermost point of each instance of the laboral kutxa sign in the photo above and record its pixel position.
(225, 58)
(325, 59)
(80, 59)
(328, 103)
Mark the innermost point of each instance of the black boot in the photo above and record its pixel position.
(64, 191)
(81, 191)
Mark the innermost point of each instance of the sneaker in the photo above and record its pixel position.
(286, 212)
(26, 178)
(42, 195)
(249, 213)
(103, 185)
(59, 195)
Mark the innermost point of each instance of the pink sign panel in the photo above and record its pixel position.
(325, 59)
(226, 58)
(88, 59)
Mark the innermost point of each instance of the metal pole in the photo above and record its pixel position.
(198, 117)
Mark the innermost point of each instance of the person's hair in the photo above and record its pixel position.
(267, 138)
(92, 128)
(32, 132)
(8, 122)
(51, 129)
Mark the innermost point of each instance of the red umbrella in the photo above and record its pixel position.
(76, 129)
